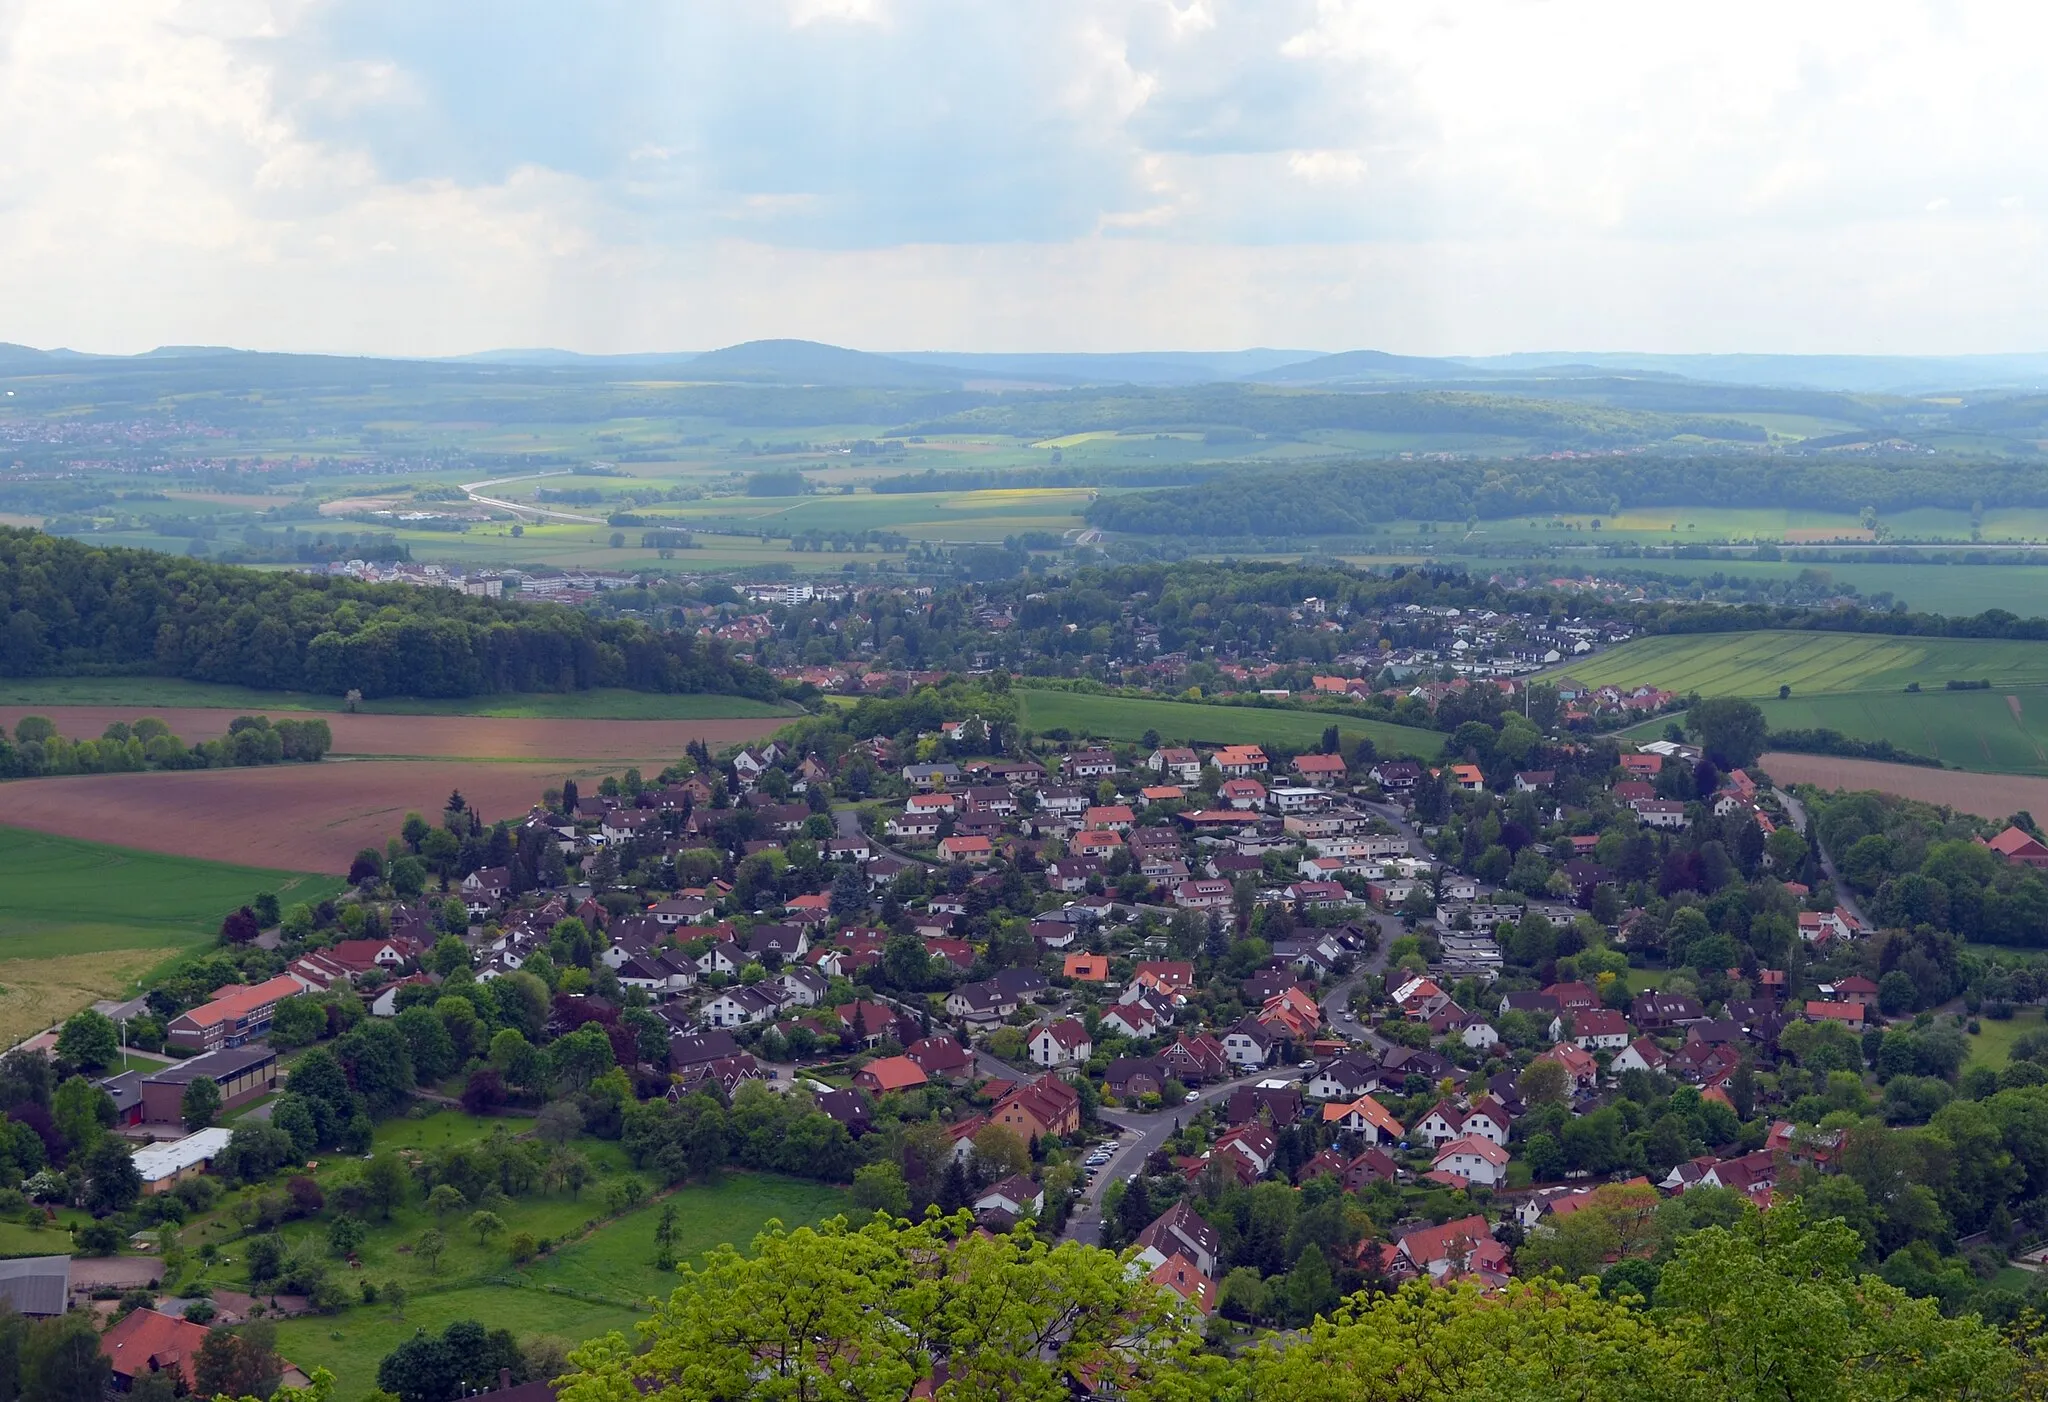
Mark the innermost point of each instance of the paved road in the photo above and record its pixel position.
(1844, 897)
(520, 508)
(1142, 1133)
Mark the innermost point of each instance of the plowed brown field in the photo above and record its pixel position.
(437, 737)
(1986, 795)
(297, 817)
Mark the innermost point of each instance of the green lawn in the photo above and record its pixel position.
(1812, 664)
(603, 704)
(582, 1290)
(1992, 1046)
(1129, 717)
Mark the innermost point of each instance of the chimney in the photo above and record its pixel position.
(505, 1379)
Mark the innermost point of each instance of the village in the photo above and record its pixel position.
(1164, 976)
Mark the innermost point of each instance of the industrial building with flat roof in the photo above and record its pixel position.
(164, 1166)
(242, 1073)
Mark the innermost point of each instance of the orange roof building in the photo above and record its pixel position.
(1086, 968)
(889, 1073)
(147, 1342)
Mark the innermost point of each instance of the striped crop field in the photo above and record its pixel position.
(1811, 663)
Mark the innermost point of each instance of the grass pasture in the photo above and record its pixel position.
(1757, 664)
(1128, 718)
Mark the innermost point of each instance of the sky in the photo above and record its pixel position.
(1418, 176)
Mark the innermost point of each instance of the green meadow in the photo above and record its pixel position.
(1129, 717)
(596, 1277)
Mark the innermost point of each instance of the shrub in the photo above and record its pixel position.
(523, 1247)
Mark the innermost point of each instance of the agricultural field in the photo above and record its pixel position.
(442, 737)
(82, 920)
(297, 817)
(1998, 731)
(1987, 795)
(153, 694)
(1757, 664)
(1128, 718)
(1960, 590)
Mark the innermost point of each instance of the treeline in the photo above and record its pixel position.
(122, 748)
(68, 609)
(1359, 497)
(1822, 741)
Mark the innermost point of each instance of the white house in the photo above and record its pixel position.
(738, 1007)
(1640, 1055)
(1249, 1044)
(1473, 1159)
(1062, 1043)
(1016, 1195)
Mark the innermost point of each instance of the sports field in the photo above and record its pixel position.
(1757, 664)
(1128, 718)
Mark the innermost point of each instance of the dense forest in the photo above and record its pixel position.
(69, 609)
(1357, 498)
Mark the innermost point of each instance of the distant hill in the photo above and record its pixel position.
(814, 363)
(1125, 367)
(1366, 367)
(1851, 374)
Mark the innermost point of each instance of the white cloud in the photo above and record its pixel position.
(1441, 175)
(1327, 167)
(808, 12)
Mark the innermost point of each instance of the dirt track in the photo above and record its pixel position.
(299, 817)
(1987, 795)
(438, 737)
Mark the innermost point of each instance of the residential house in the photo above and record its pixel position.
(941, 1058)
(1016, 1196)
(1473, 1160)
(889, 1073)
(1179, 1230)
(1250, 1044)
(1062, 1043)
(1364, 1117)
(1045, 1108)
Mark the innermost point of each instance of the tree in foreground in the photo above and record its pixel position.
(1771, 1307)
(866, 1312)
